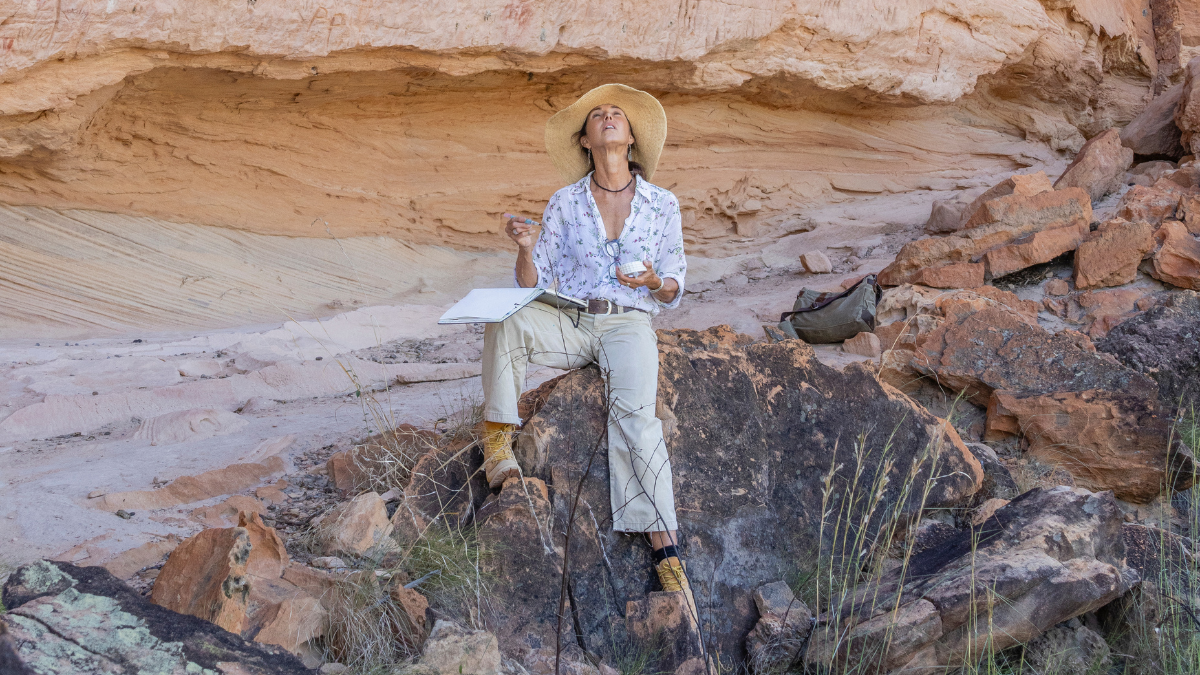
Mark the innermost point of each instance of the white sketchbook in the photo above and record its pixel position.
(493, 305)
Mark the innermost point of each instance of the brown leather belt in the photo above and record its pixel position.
(606, 307)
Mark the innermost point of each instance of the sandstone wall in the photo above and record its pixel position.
(363, 118)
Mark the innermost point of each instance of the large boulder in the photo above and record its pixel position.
(1163, 343)
(355, 527)
(1018, 228)
(1153, 131)
(1046, 557)
(1111, 255)
(206, 577)
(1187, 113)
(66, 619)
(1074, 407)
(754, 432)
(1099, 167)
(1177, 260)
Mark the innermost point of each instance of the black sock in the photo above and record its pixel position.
(661, 554)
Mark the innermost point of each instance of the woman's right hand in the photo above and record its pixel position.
(523, 233)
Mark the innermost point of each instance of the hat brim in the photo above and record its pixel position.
(646, 117)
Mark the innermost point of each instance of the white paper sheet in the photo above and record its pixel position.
(489, 305)
(493, 305)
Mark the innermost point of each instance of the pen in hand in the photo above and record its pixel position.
(526, 221)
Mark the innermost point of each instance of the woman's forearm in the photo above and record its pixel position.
(527, 275)
(667, 293)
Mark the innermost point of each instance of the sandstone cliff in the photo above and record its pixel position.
(392, 119)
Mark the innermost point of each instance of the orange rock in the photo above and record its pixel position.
(1058, 286)
(987, 510)
(863, 344)
(1037, 248)
(206, 577)
(998, 222)
(1107, 440)
(293, 624)
(414, 605)
(1148, 203)
(667, 619)
(1110, 257)
(269, 556)
(1189, 212)
(134, 560)
(1023, 185)
(226, 513)
(1100, 165)
(355, 527)
(816, 262)
(1177, 261)
(959, 275)
(188, 489)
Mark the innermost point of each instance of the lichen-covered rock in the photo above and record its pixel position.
(1075, 407)
(67, 619)
(1046, 557)
(206, 577)
(1164, 344)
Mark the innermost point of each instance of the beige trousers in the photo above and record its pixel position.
(625, 348)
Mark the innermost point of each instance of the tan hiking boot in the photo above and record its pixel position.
(674, 579)
(498, 461)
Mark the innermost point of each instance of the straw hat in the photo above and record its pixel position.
(646, 119)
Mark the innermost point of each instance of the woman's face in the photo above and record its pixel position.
(607, 126)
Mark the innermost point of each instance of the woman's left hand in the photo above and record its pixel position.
(647, 278)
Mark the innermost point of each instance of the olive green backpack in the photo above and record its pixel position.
(821, 318)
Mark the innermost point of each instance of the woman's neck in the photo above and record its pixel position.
(612, 169)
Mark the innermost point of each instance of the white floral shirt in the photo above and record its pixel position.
(571, 256)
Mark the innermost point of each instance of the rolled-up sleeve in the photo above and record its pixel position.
(544, 251)
(671, 262)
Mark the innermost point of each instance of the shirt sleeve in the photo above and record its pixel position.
(671, 262)
(543, 250)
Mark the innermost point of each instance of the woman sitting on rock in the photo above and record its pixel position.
(607, 144)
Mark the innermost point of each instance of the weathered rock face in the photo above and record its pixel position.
(1022, 227)
(1110, 256)
(92, 97)
(1177, 260)
(63, 618)
(206, 577)
(1048, 556)
(1163, 343)
(1074, 407)
(355, 527)
(753, 431)
(1099, 167)
(1153, 131)
(152, 121)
